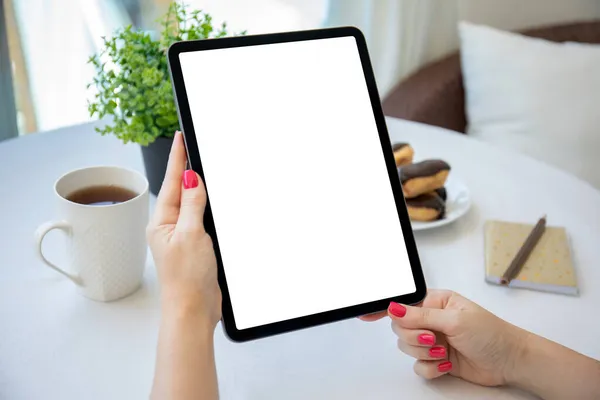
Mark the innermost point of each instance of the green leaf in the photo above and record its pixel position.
(163, 122)
(111, 105)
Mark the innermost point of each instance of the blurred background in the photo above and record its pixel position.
(44, 44)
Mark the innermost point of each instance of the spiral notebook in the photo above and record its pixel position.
(549, 268)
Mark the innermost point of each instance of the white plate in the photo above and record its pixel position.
(458, 203)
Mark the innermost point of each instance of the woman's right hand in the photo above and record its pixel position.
(448, 333)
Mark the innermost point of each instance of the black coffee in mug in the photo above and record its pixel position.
(101, 195)
(104, 210)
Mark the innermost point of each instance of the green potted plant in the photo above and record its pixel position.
(133, 85)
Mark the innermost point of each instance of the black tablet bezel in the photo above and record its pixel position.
(186, 123)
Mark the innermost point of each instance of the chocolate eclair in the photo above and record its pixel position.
(423, 177)
(442, 193)
(426, 207)
(403, 154)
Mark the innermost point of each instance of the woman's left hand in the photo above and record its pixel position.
(183, 251)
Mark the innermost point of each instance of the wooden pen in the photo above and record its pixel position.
(524, 252)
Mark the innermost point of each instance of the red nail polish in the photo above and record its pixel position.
(437, 352)
(445, 366)
(190, 180)
(426, 339)
(397, 309)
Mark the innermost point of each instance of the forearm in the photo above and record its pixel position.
(552, 371)
(185, 365)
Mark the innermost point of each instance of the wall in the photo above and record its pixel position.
(518, 14)
(504, 14)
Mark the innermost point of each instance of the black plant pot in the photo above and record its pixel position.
(155, 157)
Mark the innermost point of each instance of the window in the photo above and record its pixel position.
(263, 16)
(52, 40)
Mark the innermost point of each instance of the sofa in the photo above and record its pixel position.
(435, 95)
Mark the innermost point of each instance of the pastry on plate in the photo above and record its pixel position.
(426, 207)
(403, 154)
(423, 177)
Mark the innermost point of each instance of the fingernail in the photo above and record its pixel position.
(397, 309)
(437, 352)
(178, 132)
(190, 180)
(174, 142)
(426, 338)
(445, 366)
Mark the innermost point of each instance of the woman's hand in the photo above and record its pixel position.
(182, 250)
(450, 334)
(190, 295)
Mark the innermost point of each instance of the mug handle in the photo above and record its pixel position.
(40, 233)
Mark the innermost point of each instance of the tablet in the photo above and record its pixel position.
(305, 207)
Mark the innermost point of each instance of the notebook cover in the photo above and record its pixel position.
(549, 267)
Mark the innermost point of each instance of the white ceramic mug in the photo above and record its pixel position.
(107, 243)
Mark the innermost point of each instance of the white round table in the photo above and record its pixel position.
(55, 344)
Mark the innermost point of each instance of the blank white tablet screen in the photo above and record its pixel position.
(301, 198)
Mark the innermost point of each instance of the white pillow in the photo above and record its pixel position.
(534, 96)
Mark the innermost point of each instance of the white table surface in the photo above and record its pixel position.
(55, 344)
